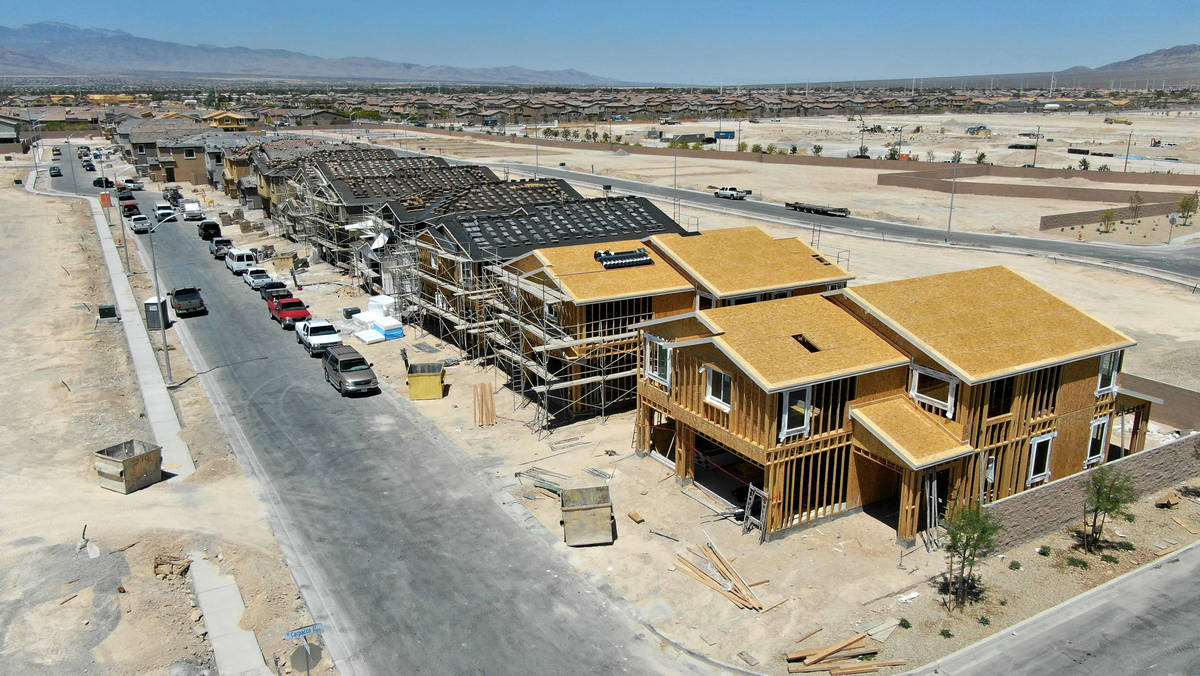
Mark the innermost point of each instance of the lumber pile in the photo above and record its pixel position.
(839, 659)
(485, 405)
(714, 571)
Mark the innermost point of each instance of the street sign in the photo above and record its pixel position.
(304, 631)
(723, 135)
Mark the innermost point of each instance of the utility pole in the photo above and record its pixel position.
(953, 190)
(1036, 139)
(1128, 143)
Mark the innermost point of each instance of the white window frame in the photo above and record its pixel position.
(653, 343)
(1098, 458)
(708, 387)
(1033, 443)
(784, 430)
(1117, 358)
(947, 406)
(141, 149)
(189, 153)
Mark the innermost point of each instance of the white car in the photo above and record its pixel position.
(255, 277)
(317, 335)
(161, 213)
(139, 224)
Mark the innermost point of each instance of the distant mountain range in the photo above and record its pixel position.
(59, 49)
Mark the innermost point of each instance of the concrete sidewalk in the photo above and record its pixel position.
(160, 411)
(236, 650)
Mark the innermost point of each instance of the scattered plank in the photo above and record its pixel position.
(637, 518)
(755, 584)
(808, 634)
(829, 650)
(67, 599)
(811, 668)
(664, 535)
(1185, 525)
(777, 605)
(485, 405)
(115, 551)
(1168, 550)
(856, 649)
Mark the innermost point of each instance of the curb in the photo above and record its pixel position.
(160, 410)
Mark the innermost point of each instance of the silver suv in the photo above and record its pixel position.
(348, 371)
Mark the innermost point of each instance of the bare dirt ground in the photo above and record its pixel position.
(72, 392)
(839, 574)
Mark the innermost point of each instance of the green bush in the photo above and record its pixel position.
(1125, 546)
(945, 633)
(1075, 562)
(984, 621)
(1044, 550)
(1130, 517)
(1014, 565)
(1109, 558)
(905, 624)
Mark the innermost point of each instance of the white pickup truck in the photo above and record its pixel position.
(192, 210)
(731, 193)
(317, 335)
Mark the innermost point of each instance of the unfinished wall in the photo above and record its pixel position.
(1093, 216)
(1059, 504)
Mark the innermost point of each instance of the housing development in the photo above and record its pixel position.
(583, 382)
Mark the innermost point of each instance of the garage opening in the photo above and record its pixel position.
(662, 438)
(725, 475)
(879, 488)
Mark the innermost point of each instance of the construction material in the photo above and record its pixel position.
(809, 634)
(664, 535)
(715, 572)
(67, 599)
(1185, 525)
(776, 605)
(635, 517)
(599, 474)
(543, 479)
(425, 380)
(128, 466)
(822, 653)
(755, 584)
(1168, 550)
(485, 405)
(587, 516)
(1168, 501)
(169, 566)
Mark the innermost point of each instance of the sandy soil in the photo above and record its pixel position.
(77, 394)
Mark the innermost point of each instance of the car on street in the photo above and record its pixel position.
(134, 184)
(161, 209)
(186, 300)
(288, 311)
(217, 246)
(255, 277)
(208, 229)
(139, 224)
(88, 166)
(130, 208)
(169, 218)
(274, 289)
(731, 193)
(56, 170)
(103, 182)
(348, 371)
(317, 335)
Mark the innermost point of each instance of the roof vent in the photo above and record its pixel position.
(622, 259)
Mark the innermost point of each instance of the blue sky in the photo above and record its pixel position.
(702, 42)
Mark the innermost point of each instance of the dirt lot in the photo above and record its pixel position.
(73, 392)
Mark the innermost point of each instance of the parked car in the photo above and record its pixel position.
(239, 260)
(169, 218)
(130, 208)
(731, 193)
(55, 170)
(348, 371)
(186, 300)
(172, 194)
(273, 285)
(217, 246)
(162, 209)
(139, 224)
(317, 335)
(134, 184)
(191, 210)
(88, 166)
(123, 194)
(103, 182)
(208, 229)
(288, 311)
(255, 277)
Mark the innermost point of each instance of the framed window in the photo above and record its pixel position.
(1110, 366)
(705, 301)
(720, 389)
(658, 360)
(1039, 458)
(933, 388)
(189, 154)
(141, 150)
(795, 413)
(1000, 397)
(1098, 442)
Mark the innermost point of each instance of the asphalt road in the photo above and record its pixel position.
(1145, 623)
(415, 566)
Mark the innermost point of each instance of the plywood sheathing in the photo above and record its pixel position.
(577, 273)
(987, 323)
(760, 337)
(910, 433)
(740, 261)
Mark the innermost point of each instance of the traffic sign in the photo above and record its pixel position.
(304, 631)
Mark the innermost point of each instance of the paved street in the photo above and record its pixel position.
(1144, 624)
(401, 549)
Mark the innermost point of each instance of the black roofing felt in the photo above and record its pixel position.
(507, 235)
(491, 196)
(379, 181)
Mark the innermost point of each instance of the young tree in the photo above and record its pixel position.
(1084, 165)
(929, 156)
(742, 145)
(893, 153)
(863, 150)
(756, 148)
(1108, 220)
(1135, 205)
(1187, 206)
(771, 148)
(795, 149)
(970, 537)
(1103, 167)
(1109, 494)
(956, 156)
(981, 157)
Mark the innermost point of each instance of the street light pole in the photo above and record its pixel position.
(953, 189)
(1037, 137)
(162, 319)
(1128, 143)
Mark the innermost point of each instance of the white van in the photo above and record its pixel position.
(239, 260)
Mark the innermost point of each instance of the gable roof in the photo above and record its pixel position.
(436, 193)
(510, 234)
(987, 323)
(583, 278)
(738, 261)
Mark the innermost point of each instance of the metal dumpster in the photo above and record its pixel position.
(425, 380)
(587, 516)
(128, 466)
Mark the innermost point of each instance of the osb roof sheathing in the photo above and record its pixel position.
(738, 261)
(909, 432)
(583, 278)
(762, 338)
(987, 323)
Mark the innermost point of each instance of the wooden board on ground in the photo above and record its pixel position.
(836, 647)
(485, 405)
(1185, 525)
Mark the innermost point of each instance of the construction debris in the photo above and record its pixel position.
(543, 478)
(809, 634)
(599, 474)
(485, 406)
(664, 535)
(1168, 501)
(637, 518)
(716, 573)
(171, 566)
(1185, 525)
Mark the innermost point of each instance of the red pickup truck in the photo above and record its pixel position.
(288, 311)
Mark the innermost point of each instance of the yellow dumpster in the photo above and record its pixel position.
(425, 380)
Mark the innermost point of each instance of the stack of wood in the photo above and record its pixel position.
(171, 566)
(485, 405)
(839, 659)
(716, 573)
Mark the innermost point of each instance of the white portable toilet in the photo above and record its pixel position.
(156, 313)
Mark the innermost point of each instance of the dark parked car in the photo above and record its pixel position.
(208, 229)
(88, 166)
(186, 300)
(56, 170)
(103, 182)
(130, 208)
(274, 289)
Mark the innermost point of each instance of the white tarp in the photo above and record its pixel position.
(370, 336)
